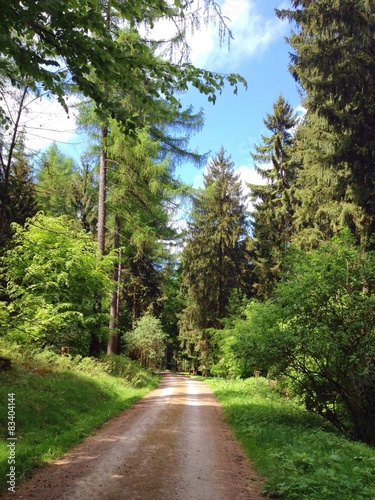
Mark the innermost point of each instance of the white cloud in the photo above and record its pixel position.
(253, 34)
(249, 175)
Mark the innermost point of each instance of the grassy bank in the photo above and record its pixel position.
(60, 400)
(297, 453)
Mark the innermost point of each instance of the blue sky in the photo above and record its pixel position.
(258, 52)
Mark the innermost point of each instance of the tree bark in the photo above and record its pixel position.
(102, 192)
(113, 340)
(95, 345)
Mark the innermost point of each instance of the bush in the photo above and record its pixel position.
(53, 278)
(318, 331)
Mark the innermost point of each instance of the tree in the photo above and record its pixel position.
(325, 200)
(274, 202)
(142, 188)
(84, 195)
(54, 182)
(52, 274)
(10, 137)
(19, 198)
(147, 342)
(215, 258)
(335, 63)
(51, 44)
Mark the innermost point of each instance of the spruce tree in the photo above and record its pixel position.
(334, 61)
(326, 202)
(274, 202)
(215, 258)
(20, 201)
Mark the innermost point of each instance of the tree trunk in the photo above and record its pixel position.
(6, 163)
(102, 192)
(95, 345)
(113, 347)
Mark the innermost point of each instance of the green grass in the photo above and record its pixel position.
(299, 455)
(60, 400)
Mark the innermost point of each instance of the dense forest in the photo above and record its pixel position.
(91, 257)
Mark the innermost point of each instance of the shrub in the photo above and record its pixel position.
(53, 277)
(318, 331)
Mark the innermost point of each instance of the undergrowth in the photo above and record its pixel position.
(59, 400)
(300, 456)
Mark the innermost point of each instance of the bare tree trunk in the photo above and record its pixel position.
(95, 340)
(6, 163)
(102, 192)
(113, 340)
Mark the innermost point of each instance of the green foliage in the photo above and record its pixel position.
(318, 331)
(215, 258)
(325, 199)
(300, 457)
(60, 400)
(49, 44)
(54, 182)
(334, 61)
(147, 342)
(17, 189)
(53, 276)
(274, 201)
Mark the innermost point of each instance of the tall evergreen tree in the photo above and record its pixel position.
(141, 189)
(54, 182)
(274, 202)
(20, 198)
(215, 258)
(326, 202)
(334, 61)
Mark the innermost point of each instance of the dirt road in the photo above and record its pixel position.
(173, 444)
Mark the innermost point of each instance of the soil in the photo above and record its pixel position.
(171, 445)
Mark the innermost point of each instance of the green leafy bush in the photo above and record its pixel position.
(53, 277)
(299, 454)
(319, 332)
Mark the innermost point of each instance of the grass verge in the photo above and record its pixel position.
(299, 455)
(59, 401)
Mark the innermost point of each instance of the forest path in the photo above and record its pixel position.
(172, 444)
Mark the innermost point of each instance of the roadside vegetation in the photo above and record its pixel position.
(299, 453)
(59, 400)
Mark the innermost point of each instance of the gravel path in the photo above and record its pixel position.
(171, 445)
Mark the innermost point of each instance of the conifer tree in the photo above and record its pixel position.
(334, 61)
(274, 201)
(20, 199)
(326, 202)
(215, 258)
(54, 182)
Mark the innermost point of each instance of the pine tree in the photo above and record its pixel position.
(215, 258)
(274, 202)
